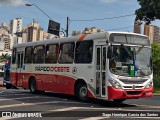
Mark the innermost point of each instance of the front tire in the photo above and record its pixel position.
(32, 86)
(82, 92)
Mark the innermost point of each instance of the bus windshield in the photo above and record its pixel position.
(130, 60)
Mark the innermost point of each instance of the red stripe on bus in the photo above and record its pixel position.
(47, 82)
(82, 37)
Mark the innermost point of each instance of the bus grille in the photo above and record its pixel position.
(133, 92)
(133, 81)
(131, 87)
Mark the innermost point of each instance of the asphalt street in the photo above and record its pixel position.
(15, 104)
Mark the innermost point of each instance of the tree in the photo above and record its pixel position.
(3, 57)
(149, 10)
(156, 59)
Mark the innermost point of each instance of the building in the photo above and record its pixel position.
(91, 30)
(34, 32)
(4, 37)
(153, 32)
(137, 27)
(15, 25)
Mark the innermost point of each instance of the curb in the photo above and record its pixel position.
(156, 94)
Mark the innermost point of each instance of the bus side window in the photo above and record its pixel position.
(66, 54)
(39, 52)
(14, 56)
(51, 53)
(28, 55)
(84, 52)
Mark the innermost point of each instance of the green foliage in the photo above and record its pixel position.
(156, 59)
(149, 10)
(3, 57)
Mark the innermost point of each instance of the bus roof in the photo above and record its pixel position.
(100, 35)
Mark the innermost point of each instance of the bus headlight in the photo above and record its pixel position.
(149, 85)
(115, 84)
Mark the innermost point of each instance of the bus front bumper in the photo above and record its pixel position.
(128, 93)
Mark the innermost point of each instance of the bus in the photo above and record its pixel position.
(107, 65)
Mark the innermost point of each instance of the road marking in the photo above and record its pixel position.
(65, 109)
(117, 109)
(23, 98)
(27, 104)
(38, 103)
(147, 106)
(100, 118)
(11, 94)
(94, 118)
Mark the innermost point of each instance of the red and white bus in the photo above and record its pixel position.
(108, 65)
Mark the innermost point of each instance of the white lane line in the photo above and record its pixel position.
(64, 109)
(101, 118)
(94, 118)
(11, 94)
(28, 104)
(22, 98)
(118, 109)
(147, 106)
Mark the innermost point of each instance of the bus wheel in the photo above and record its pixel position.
(119, 100)
(82, 92)
(32, 86)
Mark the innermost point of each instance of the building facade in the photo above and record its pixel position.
(137, 27)
(15, 25)
(153, 32)
(34, 32)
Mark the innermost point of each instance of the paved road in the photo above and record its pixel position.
(59, 107)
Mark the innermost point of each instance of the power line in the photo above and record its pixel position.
(115, 17)
(105, 18)
(120, 28)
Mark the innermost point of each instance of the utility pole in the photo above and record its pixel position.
(67, 26)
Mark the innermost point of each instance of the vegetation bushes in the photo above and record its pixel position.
(156, 66)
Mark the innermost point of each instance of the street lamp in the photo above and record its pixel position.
(39, 9)
(27, 4)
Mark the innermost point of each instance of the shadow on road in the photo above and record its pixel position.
(68, 98)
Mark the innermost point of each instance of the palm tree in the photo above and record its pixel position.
(3, 57)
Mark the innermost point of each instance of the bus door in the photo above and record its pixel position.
(19, 65)
(100, 71)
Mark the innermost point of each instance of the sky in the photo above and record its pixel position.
(82, 13)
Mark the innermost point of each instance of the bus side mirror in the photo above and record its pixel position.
(109, 52)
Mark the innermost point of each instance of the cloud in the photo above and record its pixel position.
(11, 3)
(108, 1)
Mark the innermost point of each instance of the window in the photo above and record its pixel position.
(39, 52)
(51, 53)
(14, 56)
(84, 51)
(28, 55)
(66, 54)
